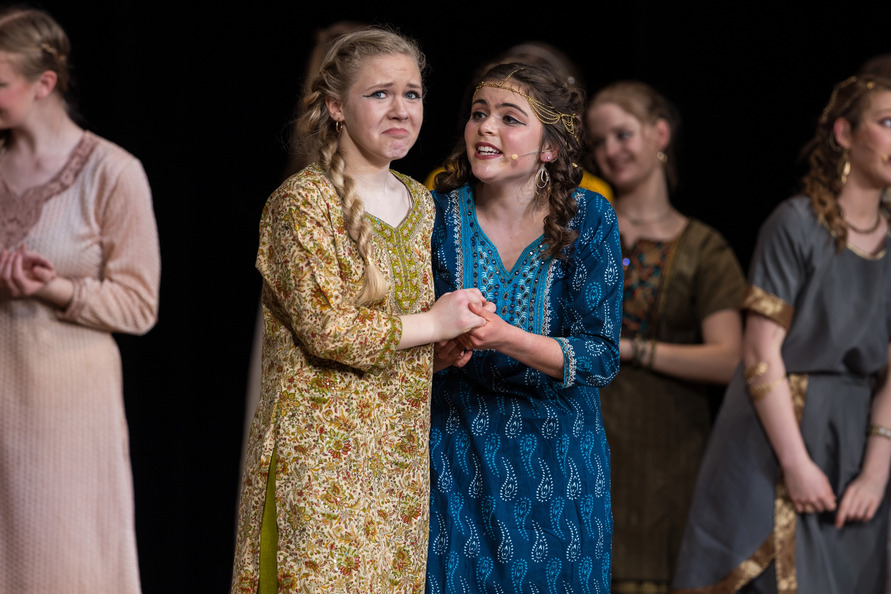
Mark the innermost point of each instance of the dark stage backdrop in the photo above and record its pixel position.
(203, 96)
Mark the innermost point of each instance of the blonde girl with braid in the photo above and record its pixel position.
(791, 496)
(335, 485)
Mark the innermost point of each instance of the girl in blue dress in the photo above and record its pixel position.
(520, 472)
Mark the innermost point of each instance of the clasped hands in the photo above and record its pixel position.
(23, 273)
(810, 492)
(485, 332)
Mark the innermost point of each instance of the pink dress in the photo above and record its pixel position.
(66, 490)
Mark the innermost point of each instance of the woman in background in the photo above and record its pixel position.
(681, 329)
(79, 262)
(791, 494)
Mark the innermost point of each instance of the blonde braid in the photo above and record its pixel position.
(375, 286)
(319, 141)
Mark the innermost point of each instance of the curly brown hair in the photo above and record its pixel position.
(564, 97)
(825, 157)
(320, 140)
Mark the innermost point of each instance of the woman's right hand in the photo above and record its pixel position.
(24, 273)
(808, 488)
(449, 317)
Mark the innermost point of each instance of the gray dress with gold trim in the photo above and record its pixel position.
(742, 529)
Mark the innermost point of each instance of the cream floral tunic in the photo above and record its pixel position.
(344, 411)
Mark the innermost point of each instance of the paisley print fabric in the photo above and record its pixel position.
(520, 497)
(344, 412)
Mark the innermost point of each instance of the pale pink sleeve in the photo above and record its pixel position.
(125, 296)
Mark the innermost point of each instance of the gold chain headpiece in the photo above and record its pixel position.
(868, 84)
(546, 114)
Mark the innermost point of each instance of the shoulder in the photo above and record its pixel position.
(308, 190)
(449, 200)
(106, 156)
(796, 210)
(309, 182)
(794, 220)
(106, 148)
(701, 234)
(593, 209)
(595, 184)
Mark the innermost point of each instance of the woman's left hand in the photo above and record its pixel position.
(450, 353)
(860, 501)
(24, 273)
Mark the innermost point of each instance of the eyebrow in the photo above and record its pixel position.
(390, 84)
(504, 104)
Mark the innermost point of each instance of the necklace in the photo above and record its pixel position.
(647, 221)
(865, 231)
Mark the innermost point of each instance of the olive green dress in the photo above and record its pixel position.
(657, 426)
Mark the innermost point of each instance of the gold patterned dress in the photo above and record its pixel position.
(344, 414)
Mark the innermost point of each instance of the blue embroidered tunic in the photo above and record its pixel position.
(520, 472)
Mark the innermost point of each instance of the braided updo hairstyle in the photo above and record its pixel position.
(37, 43)
(320, 140)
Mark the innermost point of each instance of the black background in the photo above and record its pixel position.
(203, 95)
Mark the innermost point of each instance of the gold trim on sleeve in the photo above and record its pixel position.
(770, 306)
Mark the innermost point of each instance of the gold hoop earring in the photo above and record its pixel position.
(338, 126)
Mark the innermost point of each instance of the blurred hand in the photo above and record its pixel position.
(24, 273)
(809, 488)
(860, 501)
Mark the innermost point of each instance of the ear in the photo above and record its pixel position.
(663, 133)
(45, 83)
(335, 109)
(841, 129)
(548, 153)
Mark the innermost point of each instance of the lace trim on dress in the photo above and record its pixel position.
(20, 212)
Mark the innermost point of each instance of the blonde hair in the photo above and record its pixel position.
(320, 141)
(647, 105)
(38, 43)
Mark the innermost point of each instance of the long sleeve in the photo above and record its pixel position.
(312, 272)
(593, 303)
(124, 297)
